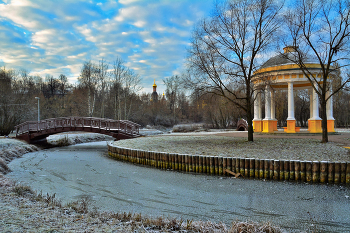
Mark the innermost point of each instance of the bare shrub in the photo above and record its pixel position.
(23, 190)
(50, 200)
(188, 127)
(81, 206)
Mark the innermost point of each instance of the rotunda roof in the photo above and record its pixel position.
(284, 59)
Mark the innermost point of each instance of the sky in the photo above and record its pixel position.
(53, 37)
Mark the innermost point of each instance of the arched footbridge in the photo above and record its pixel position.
(31, 131)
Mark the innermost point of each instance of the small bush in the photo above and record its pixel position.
(188, 128)
(81, 206)
(23, 190)
(49, 199)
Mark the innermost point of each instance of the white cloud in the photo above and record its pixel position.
(150, 36)
(140, 23)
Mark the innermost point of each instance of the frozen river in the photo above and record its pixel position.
(85, 170)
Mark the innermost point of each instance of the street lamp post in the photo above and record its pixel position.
(38, 108)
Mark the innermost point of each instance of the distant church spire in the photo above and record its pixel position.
(154, 93)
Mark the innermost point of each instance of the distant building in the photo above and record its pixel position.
(154, 96)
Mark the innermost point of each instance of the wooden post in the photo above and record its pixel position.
(216, 165)
(315, 172)
(176, 162)
(183, 161)
(347, 178)
(204, 163)
(187, 163)
(179, 161)
(337, 173)
(256, 166)
(241, 165)
(196, 163)
(208, 164)
(266, 168)
(233, 165)
(224, 165)
(331, 172)
(323, 171)
(238, 165)
(271, 169)
(276, 169)
(212, 165)
(159, 161)
(251, 167)
(200, 164)
(303, 171)
(190, 163)
(292, 170)
(229, 163)
(281, 169)
(343, 172)
(297, 170)
(261, 169)
(246, 167)
(308, 171)
(286, 169)
(138, 156)
(167, 161)
(220, 166)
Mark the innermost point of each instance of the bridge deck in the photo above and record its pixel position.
(119, 129)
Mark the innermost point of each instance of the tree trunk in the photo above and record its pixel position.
(324, 120)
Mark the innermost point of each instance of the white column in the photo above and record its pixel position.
(259, 106)
(273, 113)
(311, 102)
(256, 106)
(290, 101)
(315, 110)
(267, 103)
(329, 105)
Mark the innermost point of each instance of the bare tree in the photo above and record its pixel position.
(14, 100)
(89, 81)
(172, 91)
(118, 75)
(103, 79)
(131, 86)
(225, 50)
(320, 30)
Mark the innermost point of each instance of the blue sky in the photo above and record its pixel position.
(57, 36)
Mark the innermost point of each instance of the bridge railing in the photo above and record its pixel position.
(124, 126)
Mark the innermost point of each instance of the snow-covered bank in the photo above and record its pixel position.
(11, 149)
(66, 139)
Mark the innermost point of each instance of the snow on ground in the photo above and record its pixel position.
(75, 138)
(11, 149)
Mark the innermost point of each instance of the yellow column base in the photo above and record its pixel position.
(315, 126)
(257, 126)
(290, 126)
(330, 126)
(275, 125)
(268, 126)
